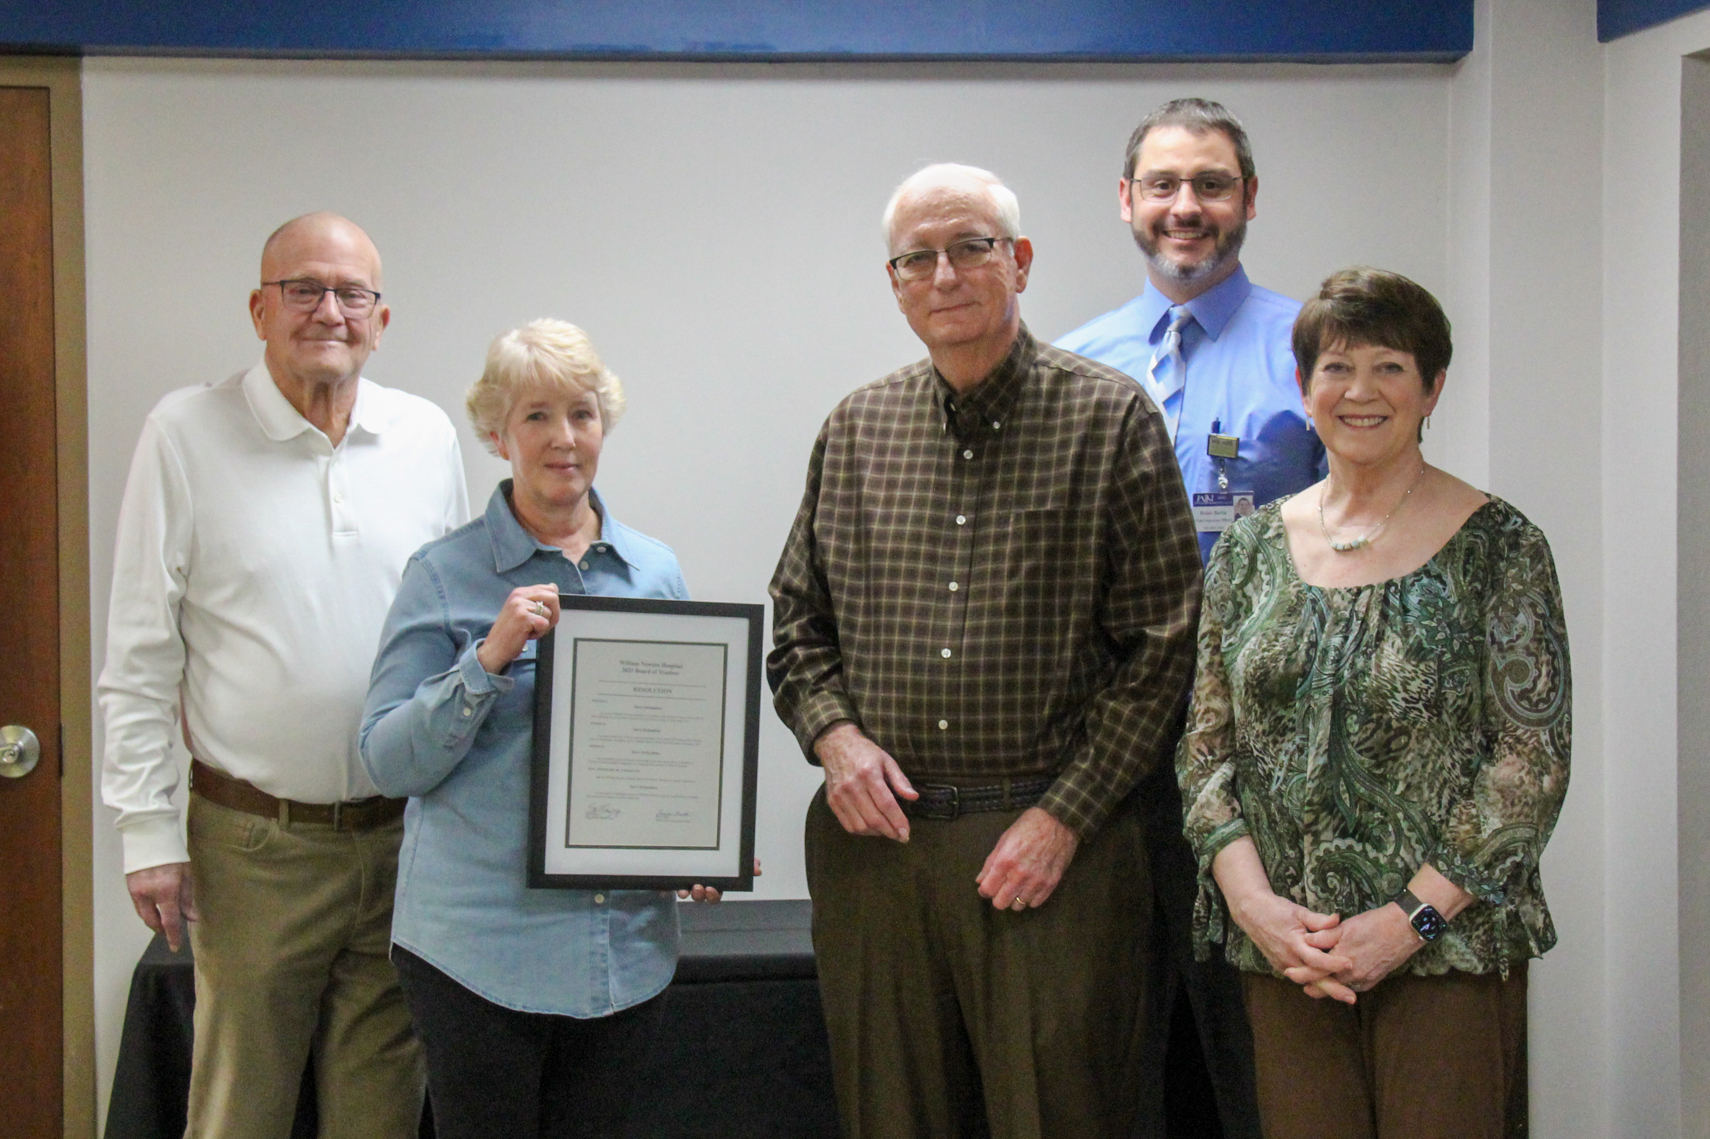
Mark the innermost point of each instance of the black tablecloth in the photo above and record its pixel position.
(741, 1051)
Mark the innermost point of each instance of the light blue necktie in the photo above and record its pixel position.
(1167, 374)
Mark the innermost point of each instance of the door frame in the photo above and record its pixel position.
(62, 77)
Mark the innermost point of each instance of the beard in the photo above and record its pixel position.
(1226, 249)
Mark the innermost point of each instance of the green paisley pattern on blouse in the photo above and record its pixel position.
(1356, 733)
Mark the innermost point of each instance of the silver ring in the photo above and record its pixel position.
(540, 609)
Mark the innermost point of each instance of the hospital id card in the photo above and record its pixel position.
(1215, 511)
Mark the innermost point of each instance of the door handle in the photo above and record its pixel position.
(20, 751)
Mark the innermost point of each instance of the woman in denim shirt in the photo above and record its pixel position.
(529, 1003)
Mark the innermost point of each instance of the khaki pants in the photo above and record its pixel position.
(291, 961)
(1415, 1058)
(942, 1010)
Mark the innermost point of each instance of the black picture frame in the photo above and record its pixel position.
(590, 630)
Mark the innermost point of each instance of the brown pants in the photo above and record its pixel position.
(942, 1009)
(1415, 1058)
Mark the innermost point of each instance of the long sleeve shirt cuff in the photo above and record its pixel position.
(818, 713)
(151, 841)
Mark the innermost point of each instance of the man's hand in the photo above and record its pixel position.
(862, 782)
(1028, 861)
(164, 899)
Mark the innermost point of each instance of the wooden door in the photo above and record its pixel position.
(31, 1026)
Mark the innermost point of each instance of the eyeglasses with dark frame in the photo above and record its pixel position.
(302, 294)
(969, 253)
(1210, 186)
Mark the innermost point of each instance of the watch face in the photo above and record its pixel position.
(1428, 923)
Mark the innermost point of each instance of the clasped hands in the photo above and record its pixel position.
(863, 783)
(1325, 954)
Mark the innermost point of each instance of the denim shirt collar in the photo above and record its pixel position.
(512, 545)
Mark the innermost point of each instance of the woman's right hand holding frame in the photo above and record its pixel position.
(527, 615)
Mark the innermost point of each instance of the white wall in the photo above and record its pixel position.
(1524, 248)
(1660, 1018)
(715, 229)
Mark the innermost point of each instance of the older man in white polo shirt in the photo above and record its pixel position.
(265, 525)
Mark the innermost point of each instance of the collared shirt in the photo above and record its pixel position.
(1240, 378)
(1001, 583)
(253, 568)
(457, 740)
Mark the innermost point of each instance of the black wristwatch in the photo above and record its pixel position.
(1423, 917)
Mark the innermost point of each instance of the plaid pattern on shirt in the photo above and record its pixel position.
(1001, 583)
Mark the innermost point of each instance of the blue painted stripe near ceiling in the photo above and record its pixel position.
(1616, 18)
(758, 29)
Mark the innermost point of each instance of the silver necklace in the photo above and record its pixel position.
(1371, 535)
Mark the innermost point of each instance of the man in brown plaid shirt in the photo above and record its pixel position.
(984, 624)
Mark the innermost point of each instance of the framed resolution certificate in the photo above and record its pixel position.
(646, 745)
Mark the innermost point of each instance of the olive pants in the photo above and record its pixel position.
(291, 962)
(948, 1016)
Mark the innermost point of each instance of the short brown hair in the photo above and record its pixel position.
(1197, 116)
(1373, 306)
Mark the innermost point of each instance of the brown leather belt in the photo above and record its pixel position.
(942, 801)
(241, 795)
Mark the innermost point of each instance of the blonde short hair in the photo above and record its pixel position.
(542, 353)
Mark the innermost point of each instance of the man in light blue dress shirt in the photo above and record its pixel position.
(1212, 350)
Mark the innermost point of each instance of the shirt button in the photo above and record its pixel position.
(968, 454)
(338, 498)
(584, 563)
(943, 725)
(943, 652)
(961, 519)
(466, 711)
(599, 899)
(954, 587)
(996, 424)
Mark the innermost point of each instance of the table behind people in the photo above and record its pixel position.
(1212, 349)
(264, 526)
(530, 1003)
(1388, 647)
(982, 613)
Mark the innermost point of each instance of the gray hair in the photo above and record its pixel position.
(1006, 208)
(1197, 116)
(542, 353)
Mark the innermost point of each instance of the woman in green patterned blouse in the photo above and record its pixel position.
(1378, 751)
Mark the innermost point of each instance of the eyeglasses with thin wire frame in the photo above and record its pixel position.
(969, 253)
(1210, 186)
(302, 294)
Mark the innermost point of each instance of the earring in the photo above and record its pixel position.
(1427, 423)
(1311, 426)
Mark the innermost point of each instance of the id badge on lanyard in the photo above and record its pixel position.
(1216, 511)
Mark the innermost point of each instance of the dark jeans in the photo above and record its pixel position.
(1212, 988)
(496, 1073)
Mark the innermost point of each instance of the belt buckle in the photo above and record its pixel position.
(944, 802)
